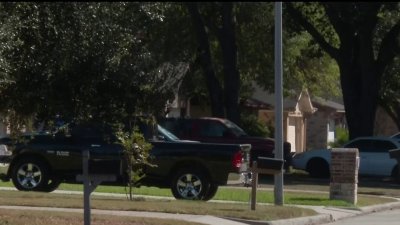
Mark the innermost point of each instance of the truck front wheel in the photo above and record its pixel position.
(189, 184)
(212, 190)
(29, 175)
(53, 184)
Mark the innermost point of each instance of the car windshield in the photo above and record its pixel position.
(168, 135)
(236, 130)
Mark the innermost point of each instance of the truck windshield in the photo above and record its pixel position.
(168, 135)
(236, 130)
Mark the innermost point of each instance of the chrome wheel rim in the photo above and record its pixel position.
(189, 186)
(29, 175)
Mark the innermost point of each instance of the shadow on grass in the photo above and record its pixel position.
(309, 199)
(319, 201)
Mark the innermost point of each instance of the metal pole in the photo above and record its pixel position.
(278, 178)
(86, 188)
(254, 184)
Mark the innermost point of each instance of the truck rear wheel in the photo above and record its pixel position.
(189, 184)
(29, 174)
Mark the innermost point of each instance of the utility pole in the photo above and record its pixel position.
(278, 178)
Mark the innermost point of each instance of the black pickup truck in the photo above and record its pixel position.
(192, 170)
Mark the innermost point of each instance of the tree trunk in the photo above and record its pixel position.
(359, 101)
(227, 40)
(213, 84)
(360, 82)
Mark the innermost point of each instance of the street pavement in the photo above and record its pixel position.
(389, 217)
(325, 215)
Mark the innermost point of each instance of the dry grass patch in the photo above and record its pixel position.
(233, 210)
(18, 217)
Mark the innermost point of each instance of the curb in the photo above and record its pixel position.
(324, 218)
(307, 220)
(382, 207)
(328, 218)
(318, 219)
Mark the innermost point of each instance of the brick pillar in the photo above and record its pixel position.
(344, 174)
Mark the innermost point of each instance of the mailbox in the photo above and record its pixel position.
(266, 165)
(98, 169)
(104, 166)
(263, 165)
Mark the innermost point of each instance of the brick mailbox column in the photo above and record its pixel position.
(344, 174)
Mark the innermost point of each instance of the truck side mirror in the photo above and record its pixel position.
(161, 137)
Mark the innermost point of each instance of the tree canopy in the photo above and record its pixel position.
(356, 37)
(80, 60)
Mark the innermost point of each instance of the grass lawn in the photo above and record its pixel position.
(244, 194)
(239, 195)
(239, 210)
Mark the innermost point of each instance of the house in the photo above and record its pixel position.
(308, 122)
(296, 111)
(384, 124)
(330, 115)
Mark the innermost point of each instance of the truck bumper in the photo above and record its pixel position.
(4, 170)
(5, 159)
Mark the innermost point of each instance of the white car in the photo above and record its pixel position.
(373, 152)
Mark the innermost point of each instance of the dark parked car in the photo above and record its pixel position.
(219, 130)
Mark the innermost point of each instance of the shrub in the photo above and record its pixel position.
(254, 127)
(136, 154)
(342, 136)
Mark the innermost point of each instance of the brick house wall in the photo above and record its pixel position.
(317, 127)
(384, 125)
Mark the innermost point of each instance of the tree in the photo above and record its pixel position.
(388, 98)
(86, 62)
(80, 60)
(249, 33)
(110, 60)
(204, 54)
(361, 60)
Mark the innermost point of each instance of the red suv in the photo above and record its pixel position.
(218, 130)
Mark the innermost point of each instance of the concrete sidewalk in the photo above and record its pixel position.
(325, 214)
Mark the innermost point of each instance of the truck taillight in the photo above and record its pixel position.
(237, 160)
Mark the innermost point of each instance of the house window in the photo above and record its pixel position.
(331, 131)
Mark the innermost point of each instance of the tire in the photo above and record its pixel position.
(318, 168)
(189, 184)
(30, 174)
(395, 173)
(212, 190)
(52, 185)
